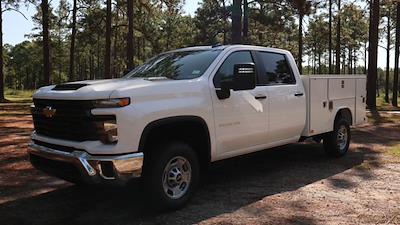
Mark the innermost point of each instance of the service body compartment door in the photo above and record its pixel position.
(319, 118)
(340, 88)
(361, 95)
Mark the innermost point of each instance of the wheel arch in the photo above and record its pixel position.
(345, 113)
(168, 129)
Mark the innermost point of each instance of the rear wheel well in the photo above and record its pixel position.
(191, 130)
(344, 114)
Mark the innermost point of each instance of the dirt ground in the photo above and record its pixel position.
(295, 184)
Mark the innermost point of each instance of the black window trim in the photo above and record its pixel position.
(262, 69)
(253, 56)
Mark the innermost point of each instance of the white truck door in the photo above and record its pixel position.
(286, 97)
(240, 120)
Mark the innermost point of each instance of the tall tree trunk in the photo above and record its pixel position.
(319, 64)
(115, 72)
(245, 21)
(225, 17)
(365, 58)
(344, 62)
(107, 57)
(373, 55)
(143, 49)
(337, 69)
(350, 61)
(46, 42)
(130, 51)
(300, 55)
(237, 22)
(387, 60)
(71, 74)
(396, 59)
(98, 59)
(330, 37)
(2, 98)
(91, 66)
(377, 87)
(354, 63)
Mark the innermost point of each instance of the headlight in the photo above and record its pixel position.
(110, 132)
(112, 103)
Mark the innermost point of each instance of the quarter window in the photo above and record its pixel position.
(276, 68)
(226, 69)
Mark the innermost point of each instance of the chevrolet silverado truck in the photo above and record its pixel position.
(168, 119)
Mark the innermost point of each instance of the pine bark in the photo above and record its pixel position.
(107, 57)
(237, 22)
(130, 51)
(245, 21)
(337, 68)
(330, 37)
(300, 54)
(396, 59)
(387, 60)
(373, 55)
(46, 42)
(71, 75)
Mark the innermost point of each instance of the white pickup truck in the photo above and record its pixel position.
(169, 118)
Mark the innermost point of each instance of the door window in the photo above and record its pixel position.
(226, 69)
(276, 69)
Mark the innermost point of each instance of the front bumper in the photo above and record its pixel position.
(92, 169)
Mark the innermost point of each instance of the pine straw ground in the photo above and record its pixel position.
(295, 184)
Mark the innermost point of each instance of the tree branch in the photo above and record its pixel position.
(12, 9)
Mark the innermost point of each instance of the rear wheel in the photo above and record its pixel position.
(337, 142)
(171, 174)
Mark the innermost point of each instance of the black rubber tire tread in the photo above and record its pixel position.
(330, 143)
(155, 162)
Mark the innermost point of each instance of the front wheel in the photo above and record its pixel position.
(171, 174)
(337, 142)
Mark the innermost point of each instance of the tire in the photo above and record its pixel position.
(336, 143)
(171, 175)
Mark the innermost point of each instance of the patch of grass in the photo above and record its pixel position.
(364, 166)
(13, 95)
(382, 105)
(395, 151)
(383, 117)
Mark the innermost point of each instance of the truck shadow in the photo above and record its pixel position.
(228, 186)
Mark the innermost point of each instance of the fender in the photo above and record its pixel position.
(172, 120)
(334, 115)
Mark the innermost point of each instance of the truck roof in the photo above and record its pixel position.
(223, 47)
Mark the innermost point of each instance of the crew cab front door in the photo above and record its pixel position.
(241, 119)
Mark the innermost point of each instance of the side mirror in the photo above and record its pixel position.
(244, 78)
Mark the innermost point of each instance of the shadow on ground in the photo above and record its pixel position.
(228, 186)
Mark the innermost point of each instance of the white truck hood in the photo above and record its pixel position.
(93, 89)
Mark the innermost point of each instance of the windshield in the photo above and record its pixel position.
(176, 65)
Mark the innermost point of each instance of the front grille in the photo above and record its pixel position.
(72, 120)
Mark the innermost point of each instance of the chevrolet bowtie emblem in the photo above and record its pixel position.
(49, 112)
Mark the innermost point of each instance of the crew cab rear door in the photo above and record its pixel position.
(286, 98)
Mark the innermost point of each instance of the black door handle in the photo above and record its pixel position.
(260, 97)
(298, 94)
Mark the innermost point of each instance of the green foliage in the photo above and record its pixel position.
(395, 151)
(161, 25)
(18, 95)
